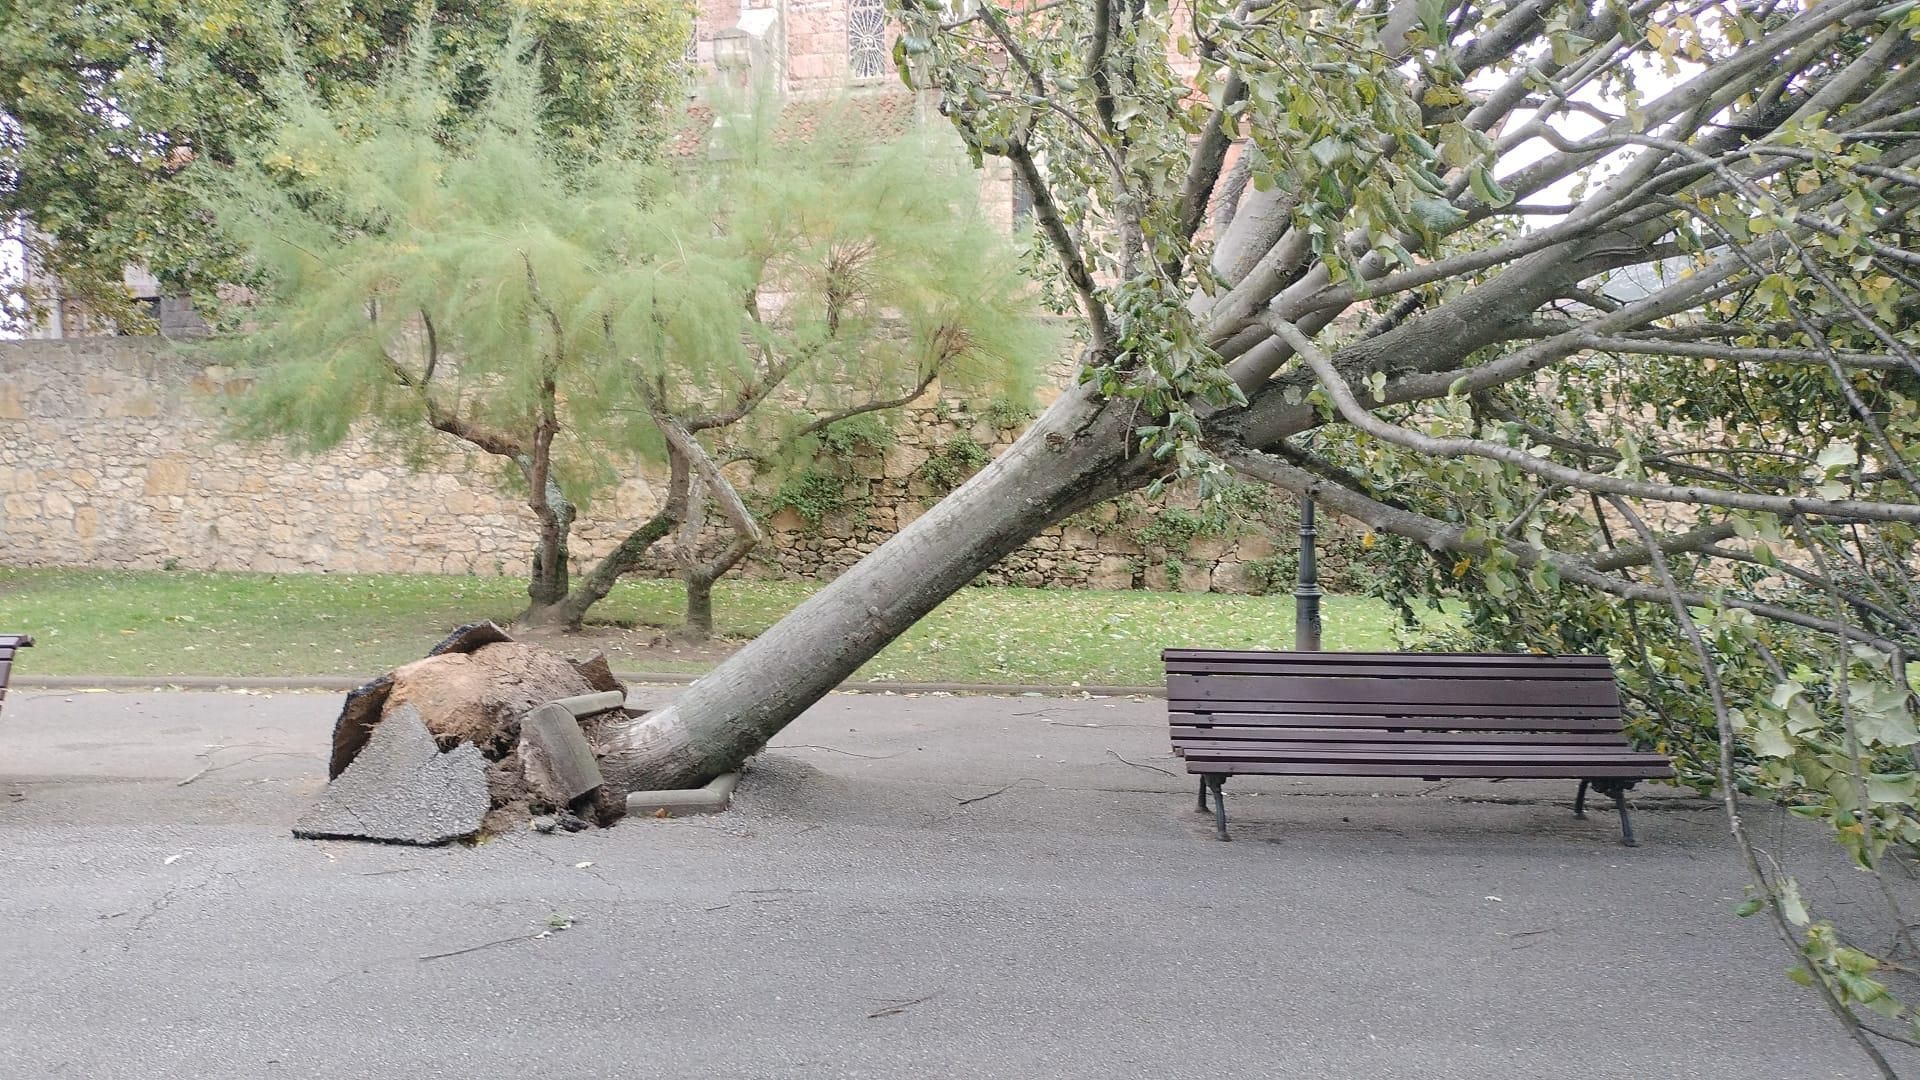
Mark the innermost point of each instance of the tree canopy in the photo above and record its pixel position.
(103, 104)
(575, 312)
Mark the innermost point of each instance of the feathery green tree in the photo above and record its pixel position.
(574, 313)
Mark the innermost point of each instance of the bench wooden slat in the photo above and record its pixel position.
(1497, 695)
(1390, 659)
(1482, 770)
(1432, 716)
(1375, 735)
(1402, 744)
(1227, 748)
(1427, 671)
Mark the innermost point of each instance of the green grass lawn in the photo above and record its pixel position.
(190, 623)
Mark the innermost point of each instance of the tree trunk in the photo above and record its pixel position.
(698, 576)
(700, 579)
(597, 583)
(1074, 456)
(571, 606)
(548, 584)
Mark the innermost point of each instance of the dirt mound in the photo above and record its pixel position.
(474, 689)
(479, 697)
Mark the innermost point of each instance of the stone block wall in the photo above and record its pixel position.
(112, 454)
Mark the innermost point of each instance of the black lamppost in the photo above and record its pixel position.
(1306, 595)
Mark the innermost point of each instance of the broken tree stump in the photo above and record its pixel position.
(474, 696)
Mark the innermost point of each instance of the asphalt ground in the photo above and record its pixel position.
(925, 886)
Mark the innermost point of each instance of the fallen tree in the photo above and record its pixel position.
(1192, 362)
(1605, 310)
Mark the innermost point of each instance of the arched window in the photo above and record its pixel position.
(867, 38)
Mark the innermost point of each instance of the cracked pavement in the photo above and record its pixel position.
(908, 886)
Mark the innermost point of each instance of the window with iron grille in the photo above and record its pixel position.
(867, 38)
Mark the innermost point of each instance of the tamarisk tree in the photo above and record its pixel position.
(1603, 311)
(575, 314)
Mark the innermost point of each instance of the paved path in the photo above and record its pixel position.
(854, 918)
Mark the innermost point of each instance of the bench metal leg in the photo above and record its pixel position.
(1203, 795)
(1214, 781)
(1617, 791)
(1626, 823)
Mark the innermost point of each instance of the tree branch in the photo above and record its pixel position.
(1439, 535)
(1449, 447)
(1730, 789)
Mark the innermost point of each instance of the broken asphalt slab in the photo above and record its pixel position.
(402, 789)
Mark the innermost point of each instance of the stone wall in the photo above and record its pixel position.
(112, 455)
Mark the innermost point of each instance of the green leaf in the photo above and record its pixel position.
(1880, 714)
(1771, 741)
(1749, 906)
(1486, 188)
(1892, 788)
(1791, 906)
(1435, 215)
(1784, 693)
(1330, 151)
(1837, 455)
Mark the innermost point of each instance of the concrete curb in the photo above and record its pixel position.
(350, 682)
(716, 796)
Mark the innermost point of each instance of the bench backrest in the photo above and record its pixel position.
(9, 644)
(1277, 694)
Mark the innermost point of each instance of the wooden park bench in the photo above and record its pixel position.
(9, 644)
(1425, 715)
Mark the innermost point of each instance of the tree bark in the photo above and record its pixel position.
(571, 607)
(700, 579)
(698, 576)
(548, 583)
(1074, 456)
